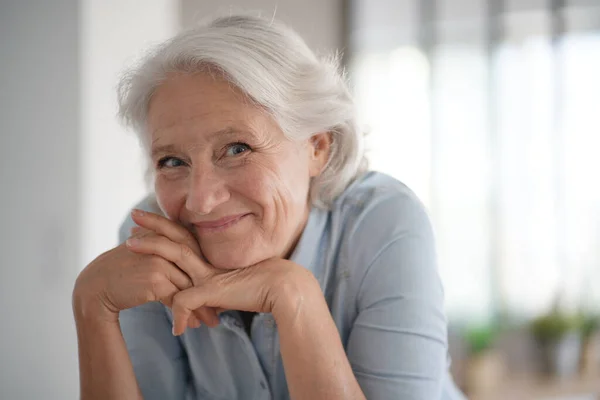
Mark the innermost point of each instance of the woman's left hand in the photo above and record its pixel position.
(256, 288)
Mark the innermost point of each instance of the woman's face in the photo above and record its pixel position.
(225, 170)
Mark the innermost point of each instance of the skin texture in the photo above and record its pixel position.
(216, 156)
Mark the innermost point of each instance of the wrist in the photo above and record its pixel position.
(296, 293)
(87, 308)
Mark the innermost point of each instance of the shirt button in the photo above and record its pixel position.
(263, 385)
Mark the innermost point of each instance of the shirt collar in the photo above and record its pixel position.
(307, 247)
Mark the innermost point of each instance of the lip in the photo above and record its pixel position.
(219, 224)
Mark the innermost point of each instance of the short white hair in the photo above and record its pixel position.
(274, 67)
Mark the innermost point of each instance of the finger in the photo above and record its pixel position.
(166, 227)
(177, 253)
(193, 322)
(207, 315)
(155, 269)
(163, 291)
(138, 232)
(178, 277)
(193, 300)
(183, 305)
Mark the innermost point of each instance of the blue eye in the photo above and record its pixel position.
(170, 162)
(236, 149)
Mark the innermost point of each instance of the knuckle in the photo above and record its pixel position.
(160, 291)
(185, 251)
(155, 277)
(177, 298)
(179, 303)
(187, 235)
(165, 295)
(189, 239)
(151, 294)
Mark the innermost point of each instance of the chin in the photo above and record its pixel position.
(232, 259)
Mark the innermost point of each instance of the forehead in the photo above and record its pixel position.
(199, 101)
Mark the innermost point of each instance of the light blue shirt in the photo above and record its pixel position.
(374, 257)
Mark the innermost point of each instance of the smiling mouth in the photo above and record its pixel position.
(219, 225)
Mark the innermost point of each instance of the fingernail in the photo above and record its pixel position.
(138, 213)
(132, 242)
(134, 230)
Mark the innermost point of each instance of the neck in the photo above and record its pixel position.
(297, 234)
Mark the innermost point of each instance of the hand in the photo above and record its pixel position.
(206, 315)
(256, 288)
(120, 279)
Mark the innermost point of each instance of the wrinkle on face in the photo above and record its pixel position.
(195, 118)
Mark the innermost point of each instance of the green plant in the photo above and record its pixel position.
(590, 324)
(480, 338)
(554, 326)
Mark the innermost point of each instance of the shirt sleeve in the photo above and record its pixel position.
(398, 343)
(158, 358)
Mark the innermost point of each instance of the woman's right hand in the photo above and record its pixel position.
(120, 279)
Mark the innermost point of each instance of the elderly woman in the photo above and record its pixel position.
(267, 263)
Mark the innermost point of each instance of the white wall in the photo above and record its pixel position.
(319, 22)
(68, 171)
(114, 33)
(39, 213)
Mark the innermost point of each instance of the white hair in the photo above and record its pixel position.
(274, 67)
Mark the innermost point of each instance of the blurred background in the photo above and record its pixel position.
(488, 109)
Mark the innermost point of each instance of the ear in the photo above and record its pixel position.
(319, 148)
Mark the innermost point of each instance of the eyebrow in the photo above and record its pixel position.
(170, 148)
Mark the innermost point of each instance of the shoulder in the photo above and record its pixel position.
(380, 207)
(379, 214)
(149, 204)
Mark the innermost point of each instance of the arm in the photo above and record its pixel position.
(315, 363)
(105, 371)
(398, 343)
(118, 351)
(115, 356)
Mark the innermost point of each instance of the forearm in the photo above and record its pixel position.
(316, 365)
(105, 369)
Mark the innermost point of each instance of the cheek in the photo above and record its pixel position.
(170, 195)
(253, 187)
(275, 186)
(280, 189)
(294, 179)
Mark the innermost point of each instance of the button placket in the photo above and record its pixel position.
(233, 323)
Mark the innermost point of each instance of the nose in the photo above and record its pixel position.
(207, 191)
